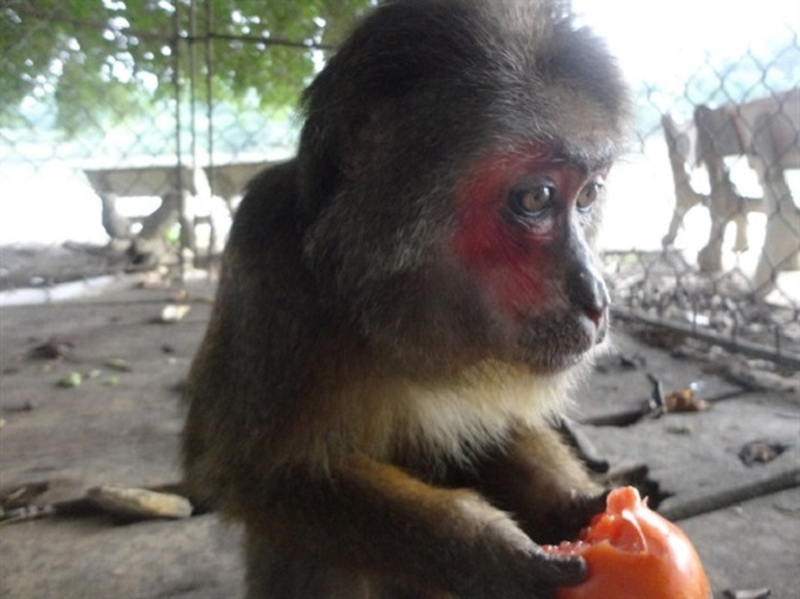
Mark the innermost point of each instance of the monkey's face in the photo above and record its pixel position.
(500, 266)
(524, 228)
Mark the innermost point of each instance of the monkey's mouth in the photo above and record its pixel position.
(552, 344)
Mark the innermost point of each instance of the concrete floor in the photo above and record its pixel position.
(121, 427)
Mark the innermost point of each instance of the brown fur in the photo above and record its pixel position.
(359, 402)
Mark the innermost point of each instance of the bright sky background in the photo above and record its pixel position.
(671, 36)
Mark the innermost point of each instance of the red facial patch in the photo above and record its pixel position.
(507, 256)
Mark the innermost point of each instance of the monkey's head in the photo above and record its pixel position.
(452, 170)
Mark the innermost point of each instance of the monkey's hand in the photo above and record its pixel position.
(576, 514)
(512, 564)
(534, 574)
(539, 480)
(376, 517)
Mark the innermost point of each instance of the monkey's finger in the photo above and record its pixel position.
(590, 506)
(557, 570)
(577, 514)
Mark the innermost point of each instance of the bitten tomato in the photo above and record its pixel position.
(634, 553)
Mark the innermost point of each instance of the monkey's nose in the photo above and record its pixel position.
(588, 293)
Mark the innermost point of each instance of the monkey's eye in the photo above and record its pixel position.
(530, 199)
(589, 194)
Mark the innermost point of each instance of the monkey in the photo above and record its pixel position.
(406, 305)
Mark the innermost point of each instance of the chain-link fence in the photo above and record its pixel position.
(703, 230)
(717, 165)
(115, 152)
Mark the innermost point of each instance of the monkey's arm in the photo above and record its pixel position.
(375, 516)
(540, 480)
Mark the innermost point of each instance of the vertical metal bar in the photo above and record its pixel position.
(193, 81)
(176, 65)
(187, 228)
(210, 92)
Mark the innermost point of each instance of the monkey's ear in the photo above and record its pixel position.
(338, 146)
(368, 139)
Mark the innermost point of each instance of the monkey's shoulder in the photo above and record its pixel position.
(267, 213)
(265, 245)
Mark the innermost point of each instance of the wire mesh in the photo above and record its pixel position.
(703, 230)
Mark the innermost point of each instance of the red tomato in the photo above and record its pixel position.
(634, 553)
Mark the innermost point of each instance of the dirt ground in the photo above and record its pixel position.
(120, 425)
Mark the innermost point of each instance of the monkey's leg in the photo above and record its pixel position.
(370, 517)
(540, 480)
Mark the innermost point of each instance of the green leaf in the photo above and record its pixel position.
(103, 61)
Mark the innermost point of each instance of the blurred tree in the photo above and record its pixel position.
(111, 58)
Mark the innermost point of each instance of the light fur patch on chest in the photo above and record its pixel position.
(479, 409)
